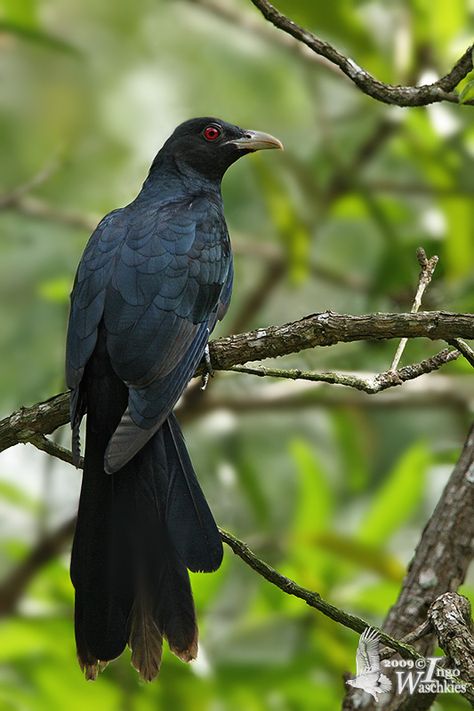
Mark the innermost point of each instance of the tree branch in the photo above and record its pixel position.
(30, 206)
(321, 329)
(441, 90)
(328, 328)
(463, 348)
(370, 385)
(40, 441)
(427, 391)
(313, 599)
(427, 267)
(450, 617)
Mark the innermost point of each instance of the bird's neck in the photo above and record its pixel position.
(170, 178)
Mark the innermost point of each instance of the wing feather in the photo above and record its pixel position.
(158, 277)
(367, 656)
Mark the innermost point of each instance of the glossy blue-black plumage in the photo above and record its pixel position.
(154, 279)
(155, 275)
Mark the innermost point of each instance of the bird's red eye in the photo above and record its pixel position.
(211, 133)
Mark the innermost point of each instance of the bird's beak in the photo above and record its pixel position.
(256, 141)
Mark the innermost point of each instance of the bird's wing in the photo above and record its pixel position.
(88, 299)
(367, 656)
(166, 284)
(224, 299)
(162, 302)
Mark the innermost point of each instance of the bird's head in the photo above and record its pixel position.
(209, 146)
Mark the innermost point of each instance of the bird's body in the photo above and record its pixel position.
(154, 279)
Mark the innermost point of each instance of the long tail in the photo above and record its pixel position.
(137, 532)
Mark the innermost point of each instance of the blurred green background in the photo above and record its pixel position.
(331, 486)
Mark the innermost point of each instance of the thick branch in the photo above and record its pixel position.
(450, 616)
(323, 329)
(441, 90)
(328, 328)
(28, 422)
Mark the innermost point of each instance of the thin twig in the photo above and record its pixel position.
(372, 385)
(43, 443)
(312, 599)
(427, 267)
(441, 90)
(464, 348)
(39, 209)
(455, 393)
(42, 176)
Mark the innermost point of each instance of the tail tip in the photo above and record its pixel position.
(187, 653)
(92, 669)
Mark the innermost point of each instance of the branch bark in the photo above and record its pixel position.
(321, 329)
(427, 267)
(370, 385)
(328, 328)
(450, 617)
(441, 90)
(313, 599)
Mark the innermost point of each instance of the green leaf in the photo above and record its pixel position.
(350, 428)
(369, 557)
(459, 243)
(468, 92)
(398, 496)
(23, 12)
(374, 598)
(294, 233)
(56, 290)
(38, 36)
(315, 499)
(465, 88)
(16, 496)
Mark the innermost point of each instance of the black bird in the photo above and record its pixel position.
(154, 279)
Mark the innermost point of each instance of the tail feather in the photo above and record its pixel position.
(89, 664)
(138, 530)
(164, 606)
(146, 640)
(189, 520)
(163, 609)
(177, 614)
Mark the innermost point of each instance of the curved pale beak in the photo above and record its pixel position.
(256, 141)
